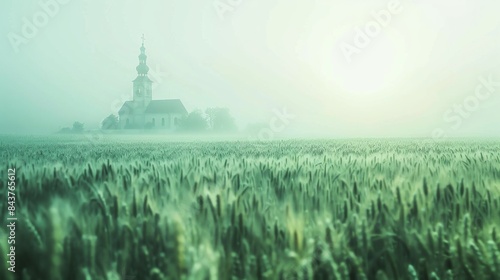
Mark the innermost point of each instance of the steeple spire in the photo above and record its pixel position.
(142, 68)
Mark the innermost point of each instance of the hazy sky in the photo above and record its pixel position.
(312, 57)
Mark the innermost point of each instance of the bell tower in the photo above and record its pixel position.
(142, 84)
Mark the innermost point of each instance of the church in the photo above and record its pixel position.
(144, 112)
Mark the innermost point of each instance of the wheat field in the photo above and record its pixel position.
(295, 209)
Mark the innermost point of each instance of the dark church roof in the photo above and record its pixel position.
(170, 106)
(167, 106)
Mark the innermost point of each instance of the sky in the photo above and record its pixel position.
(337, 68)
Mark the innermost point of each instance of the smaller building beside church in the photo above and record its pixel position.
(144, 112)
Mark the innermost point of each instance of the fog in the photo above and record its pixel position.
(337, 68)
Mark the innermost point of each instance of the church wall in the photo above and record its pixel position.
(123, 120)
(163, 121)
(129, 121)
(139, 121)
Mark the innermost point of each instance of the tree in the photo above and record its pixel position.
(220, 120)
(110, 122)
(77, 127)
(194, 121)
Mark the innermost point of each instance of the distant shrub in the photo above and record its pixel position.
(193, 122)
(77, 127)
(110, 122)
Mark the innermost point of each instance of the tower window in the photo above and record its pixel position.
(153, 121)
(162, 121)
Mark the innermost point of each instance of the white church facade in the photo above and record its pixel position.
(142, 111)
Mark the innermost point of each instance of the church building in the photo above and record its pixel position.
(144, 112)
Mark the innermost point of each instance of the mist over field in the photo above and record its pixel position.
(247, 139)
(340, 68)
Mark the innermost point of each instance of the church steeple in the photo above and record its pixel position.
(142, 68)
(143, 89)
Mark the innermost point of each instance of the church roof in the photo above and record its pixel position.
(170, 106)
(128, 108)
(167, 106)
